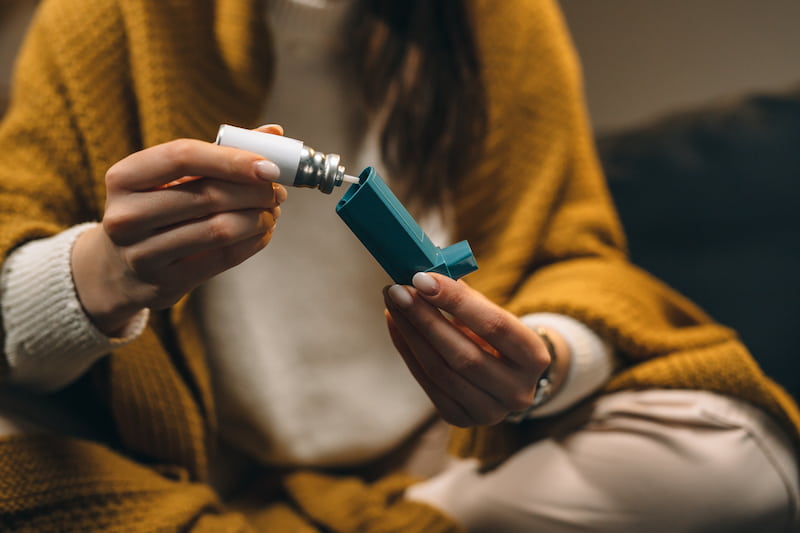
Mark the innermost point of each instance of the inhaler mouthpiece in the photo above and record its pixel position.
(300, 165)
(375, 215)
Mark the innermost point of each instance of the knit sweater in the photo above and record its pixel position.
(98, 80)
(282, 396)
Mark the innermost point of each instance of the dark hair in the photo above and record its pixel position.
(417, 61)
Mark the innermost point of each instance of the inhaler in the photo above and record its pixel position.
(299, 164)
(369, 208)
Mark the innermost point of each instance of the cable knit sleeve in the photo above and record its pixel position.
(537, 210)
(542, 223)
(48, 184)
(49, 340)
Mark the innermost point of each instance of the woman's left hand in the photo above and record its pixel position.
(477, 362)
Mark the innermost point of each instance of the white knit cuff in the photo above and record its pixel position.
(591, 361)
(49, 339)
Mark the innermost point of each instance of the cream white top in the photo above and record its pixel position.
(301, 358)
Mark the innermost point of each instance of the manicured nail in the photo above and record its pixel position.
(425, 283)
(267, 170)
(276, 128)
(280, 193)
(400, 296)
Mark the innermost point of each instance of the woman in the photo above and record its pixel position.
(473, 112)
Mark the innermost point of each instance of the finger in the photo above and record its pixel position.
(148, 257)
(181, 277)
(480, 408)
(507, 385)
(140, 214)
(478, 401)
(218, 232)
(448, 408)
(208, 264)
(162, 164)
(495, 325)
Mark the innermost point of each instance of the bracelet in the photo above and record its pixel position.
(544, 387)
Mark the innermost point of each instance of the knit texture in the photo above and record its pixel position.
(49, 339)
(99, 79)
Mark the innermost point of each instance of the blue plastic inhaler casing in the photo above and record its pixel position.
(375, 215)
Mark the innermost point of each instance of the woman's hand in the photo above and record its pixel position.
(477, 362)
(176, 215)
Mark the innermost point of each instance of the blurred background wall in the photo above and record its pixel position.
(642, 59)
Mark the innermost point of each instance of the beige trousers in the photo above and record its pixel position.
(660, 460)
(651, 461)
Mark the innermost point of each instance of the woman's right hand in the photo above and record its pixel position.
(176, 215)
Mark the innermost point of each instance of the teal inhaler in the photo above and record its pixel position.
(375, 215)
(368, 207)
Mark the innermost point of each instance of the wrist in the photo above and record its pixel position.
(561, 356)
(97, 287)
(553, 377)
(587, 365)
(49, 339)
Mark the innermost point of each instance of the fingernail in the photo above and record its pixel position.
(400, 296)
(280, 193)
(267, 170)
(425, 283)
(277, 128)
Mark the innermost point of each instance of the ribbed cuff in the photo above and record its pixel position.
(50, 341)
(591, 361)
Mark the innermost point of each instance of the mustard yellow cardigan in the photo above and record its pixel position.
(99, 79)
